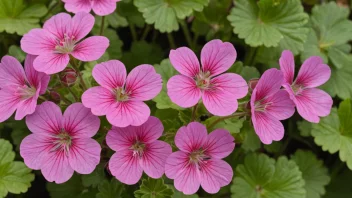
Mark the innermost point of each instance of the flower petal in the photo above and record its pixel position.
(76, 6)
(80, 122)
(281, 106)
(215, 174)
(175, 163)
(11, 72)
(150, 130)
(91, 48)
(111, 74)
(268, 84)
(129, 112)
(81, 24)
(267, 127)
(221, 98)
(27, 106)
(33, 149)
(34, 77)
(189, 180)
(191, 137)
(217, 56)
(99, 99)
(219, 144)
(103, 8)
(38, 41)
(313, 72)
(51, 63)
(56, 167)
(287, 66)
(154, 158)
(121, 138)
(125, 167)
(9, 102)
(58, 25)
(46, 120)
(183, 91)
(185, 61)
(84, 155)
(143, 83)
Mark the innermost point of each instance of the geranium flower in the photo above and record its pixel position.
(60, 38)
(120, 98)
(61, 144)
(219, 92)
(100, 7)
(199, 161)
(269, 104)
(20, 88)
(311, 103)
(137, 150)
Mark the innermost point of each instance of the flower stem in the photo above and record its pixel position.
(76, 67)
(43, 98)
(133, 32)
(250, 57)
(73, 94)
(194, 112)
(146, 32)
(171, 41)
(226, 117)
(187, 34)
(102, 25)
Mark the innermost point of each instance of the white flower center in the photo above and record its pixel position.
(66, 45)
(203, 80)
(138, 149)
(121, 95)
(62, 141)
(198, 158)
(26, 91)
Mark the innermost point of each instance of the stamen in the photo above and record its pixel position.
(66, 45)
(121, 95)
(63, 141)
(199, 158)
(138, 149)
(26, 91)
(203, 80)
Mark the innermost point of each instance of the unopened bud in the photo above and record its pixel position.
(68, 77)
(55, 97)
(252, 84)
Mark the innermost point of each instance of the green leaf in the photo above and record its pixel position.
(17, 52)
(260, 176)
(110, 189)
(251, 140)
(274, 147)
(334, 134)
(19, 131)
(340, 185)
(304, 128)
(131, 13)
(166, 70)
(233, 125)
(178, 194)
(17, 17)
(314, 173)
(95, 178)
(164, 13)
(153, 188)
(15, 177)
(270, 23)
(116, 20)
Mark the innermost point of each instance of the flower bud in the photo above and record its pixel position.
(55, 97)
(68, 77)
(252, 84)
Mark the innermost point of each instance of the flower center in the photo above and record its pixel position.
(138, 149)
(259, 106)
(297, 89)
(63, 141)
(203, 80)
(65, 45)
(27, 91)
(198, 158)
(121, 95)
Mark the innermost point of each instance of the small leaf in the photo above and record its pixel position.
(17, 52)
(131, 13)
(178, 194)
(251, 140)
(153, 188)
(110, 189)
(95, 178)
(233, 125)
(115, 20)
(339, 83)
(305, 128)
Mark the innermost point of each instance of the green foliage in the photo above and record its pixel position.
(15, 177)
(71, 188)
(95, 178)
(110, 189)
(154, 188)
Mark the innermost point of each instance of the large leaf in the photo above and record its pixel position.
(154, 188)
(110, 189)
(15, 177)
(270, 23)
(71, 188)
(16, 16)
(164, 13)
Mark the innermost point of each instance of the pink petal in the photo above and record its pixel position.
(217, 56)
(84, 155)
(121, 138)
(76, 6)
(313, 73)
(104, 7)
(111, 74)
(129, 113)
(91, 48)
(125, 167)
(183, 91)
(313, 103)
(219, 144)
(269, 83)
(154, 158)
(11, 72)
(99, 99)
(34, 77)
(34, 149)
(27, 106)
(58, 25)
(188, 181)
(51, 63)
(221, 98)
(46, 120)
(9, 102)
(280, 105)
(175, 164)
(80, 122)
(287, 66)
(267, 127)
(38, 41)
(191, 137)
(215, 174)
(185, 61)
(150, 130)
(143, 83)
(56, 167)
(81, 24)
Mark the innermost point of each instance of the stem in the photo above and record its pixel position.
(76, 67)
(250, 57)
(195, 39)
(225, 118)
(194, 112)
(102, 25)
(171, 41)
(66, 100)
(146, 32)
(133, 32)
(187, 34)
(73, 94)
(43, 98)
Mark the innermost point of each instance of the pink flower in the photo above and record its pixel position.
(60, 38)
(137, 150)
(311, 103)
(61, 144)
(20, 88)
(219, 92)
(120, 98)
(199, 161)
(100, 7)
(269, 105)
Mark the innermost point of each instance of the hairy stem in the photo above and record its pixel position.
(81, 80)
(194, 112)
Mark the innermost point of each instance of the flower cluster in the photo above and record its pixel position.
(63, 143)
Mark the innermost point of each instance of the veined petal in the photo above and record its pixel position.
(9, 102)
(269, 83)
(280, 105)
(267, 127)
(313, 73)
(103, 8)
(51, 63)
(35, 78)
(111, 74)
(287, 66)
(100, 100)
(191, 137)
(56, 167)
(121, 138)
(58, 25)
(76, 6)
(189, 180)
(11, 72)
(27, 106)
(183, 91)
(185, 61)
(38, 41)
(219, 144)
(81, 24)
(91, 48)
